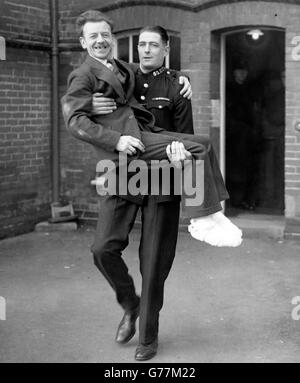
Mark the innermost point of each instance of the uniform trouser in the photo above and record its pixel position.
(156, 253)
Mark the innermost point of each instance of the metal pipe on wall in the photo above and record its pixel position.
(55, 157)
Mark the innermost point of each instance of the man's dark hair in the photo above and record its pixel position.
(157, 29)
(91, 15)
(240, 64)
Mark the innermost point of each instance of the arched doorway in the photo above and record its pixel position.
(254, 119)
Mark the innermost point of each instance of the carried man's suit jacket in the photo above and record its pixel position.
(104, 131)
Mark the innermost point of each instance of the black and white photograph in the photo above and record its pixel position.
(150, 184)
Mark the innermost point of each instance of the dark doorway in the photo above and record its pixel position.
(255, 121)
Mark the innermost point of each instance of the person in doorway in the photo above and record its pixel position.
(241, 145)
(128, 129)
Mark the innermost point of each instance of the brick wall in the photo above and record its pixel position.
(24, 118)
(25, 20)
(198, 28)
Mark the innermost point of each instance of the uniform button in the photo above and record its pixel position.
(143, 97)
(159, 106)
(146, 85)
(168, 72)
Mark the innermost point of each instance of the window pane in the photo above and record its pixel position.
(134, 47)
(123, 49)
(175, 53)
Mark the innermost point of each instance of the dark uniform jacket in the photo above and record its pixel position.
(159, 92)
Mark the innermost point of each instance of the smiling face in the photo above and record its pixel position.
(152, 51)
(97, 39)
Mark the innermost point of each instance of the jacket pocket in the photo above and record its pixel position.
(159, 104)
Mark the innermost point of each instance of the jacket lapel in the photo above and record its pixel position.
(105, 74)
(131, 83)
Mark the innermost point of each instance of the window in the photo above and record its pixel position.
(126, 49)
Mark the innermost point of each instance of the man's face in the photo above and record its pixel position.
(97, 39)
(152, 51)
(240, 75)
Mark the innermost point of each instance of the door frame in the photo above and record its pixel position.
(223, 37)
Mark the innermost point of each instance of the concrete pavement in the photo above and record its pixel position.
(221, 305)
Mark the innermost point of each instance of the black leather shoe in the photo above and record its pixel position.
(146, 351)
(126, 329)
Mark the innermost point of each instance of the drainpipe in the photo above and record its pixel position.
(55, 169)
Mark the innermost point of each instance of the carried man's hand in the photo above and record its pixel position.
(105, 105)
(129, 145)
(186, 91)
(102, 105)
(176, 153)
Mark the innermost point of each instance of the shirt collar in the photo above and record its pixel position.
(105, 61)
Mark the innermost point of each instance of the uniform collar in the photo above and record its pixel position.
(154, 73)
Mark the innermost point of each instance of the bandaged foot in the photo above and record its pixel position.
(202, 226)
(215, 232)
(225, 222)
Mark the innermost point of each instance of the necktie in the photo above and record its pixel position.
(113, 67)
(110, 65)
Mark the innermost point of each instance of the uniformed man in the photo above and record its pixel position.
(158, 89)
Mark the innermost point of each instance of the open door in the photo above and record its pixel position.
(252, 76)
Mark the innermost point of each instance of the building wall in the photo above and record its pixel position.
(197, 23)
(25, 91)
(25, 19)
